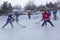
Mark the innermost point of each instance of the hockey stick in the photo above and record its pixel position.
(36, 17)
(38, 22)
(21, 25)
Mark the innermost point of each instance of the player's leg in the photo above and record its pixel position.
(5, 25)
(44, 23)
(50, 22)
(11, 24)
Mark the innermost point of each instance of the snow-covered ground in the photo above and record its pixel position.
(32, 31)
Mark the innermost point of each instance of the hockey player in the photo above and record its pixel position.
(55, 14)
(46, 18)
(29, 14)
(10, 19)
(16, 16)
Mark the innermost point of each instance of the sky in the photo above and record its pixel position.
(24, 2)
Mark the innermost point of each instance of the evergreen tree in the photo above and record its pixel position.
(4, 7)
(9, 8)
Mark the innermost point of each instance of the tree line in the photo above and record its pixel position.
(7, 7)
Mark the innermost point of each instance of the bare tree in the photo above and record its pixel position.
(30, 6)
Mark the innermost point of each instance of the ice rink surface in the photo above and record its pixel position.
(32, 31)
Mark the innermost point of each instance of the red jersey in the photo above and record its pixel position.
(46, 16)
